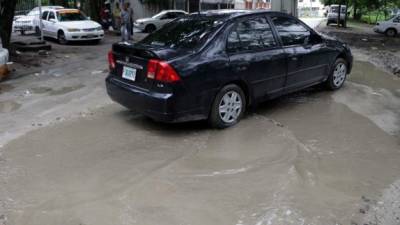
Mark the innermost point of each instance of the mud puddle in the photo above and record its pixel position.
(373, 94)
(367, 74)
(51, 91)
(291, 162)
(8, 106)
(6, 87)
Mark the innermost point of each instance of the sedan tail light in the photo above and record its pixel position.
(161, 71)
(111, 60)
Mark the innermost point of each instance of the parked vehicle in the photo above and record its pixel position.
(214, 65)
(30, 22)
(70, 25)
(390, 27)
(333, 14)
(3, 62)
(149, 25)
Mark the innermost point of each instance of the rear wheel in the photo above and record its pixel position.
(61, 38)
(150, 28)
(228, 107)
(338, 75)
(390, 32)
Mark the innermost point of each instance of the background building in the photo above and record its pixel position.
(143, 9)
(310, 8)
(288, 6)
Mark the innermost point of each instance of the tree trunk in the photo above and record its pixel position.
(94, 7)
(355, 10)
(7, 9)
(61, 3)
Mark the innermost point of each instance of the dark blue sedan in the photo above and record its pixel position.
(213, 65)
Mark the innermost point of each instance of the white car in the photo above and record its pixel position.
(149, 25)
(30, 22)
(390, 27)
(70, 25)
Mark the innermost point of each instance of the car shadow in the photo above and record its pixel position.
(264, 108)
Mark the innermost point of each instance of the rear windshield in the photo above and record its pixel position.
(186, 32)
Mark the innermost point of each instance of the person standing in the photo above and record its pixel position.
(130, 10)
(117, 16)
(125, 20)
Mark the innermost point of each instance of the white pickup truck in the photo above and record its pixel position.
(390, 27)
(333, 14)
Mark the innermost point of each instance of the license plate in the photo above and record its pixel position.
(129, 73)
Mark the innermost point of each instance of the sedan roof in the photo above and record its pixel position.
(233, 13)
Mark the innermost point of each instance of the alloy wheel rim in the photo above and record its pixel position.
(230, 107)
(339, 74)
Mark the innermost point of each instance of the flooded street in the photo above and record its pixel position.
(70, 156)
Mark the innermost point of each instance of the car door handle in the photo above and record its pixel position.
(294, 58)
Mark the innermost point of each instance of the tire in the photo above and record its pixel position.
(150, 28)
(96, 42)
(22, 32)
(338, 74)
(232, 99)
(37, 31)
(327, 23)
(391, 32)
(61, 38)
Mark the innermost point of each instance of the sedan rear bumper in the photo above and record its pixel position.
(158, 106)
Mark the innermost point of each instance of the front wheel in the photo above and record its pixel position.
(390, 32)
(61, 38)
(150, 28)
(228, 107)
(338, 75)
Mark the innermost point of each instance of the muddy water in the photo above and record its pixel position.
(374, 94)
(307, 158)
(60, 91)
(8, 106)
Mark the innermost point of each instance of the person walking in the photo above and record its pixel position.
(125, 20)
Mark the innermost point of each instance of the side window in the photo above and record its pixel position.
(252, 34)
(44, 15)
(397, 20)
(165, 16)
(173, 15)
(179, 14)
(51, 16)
(291, 31)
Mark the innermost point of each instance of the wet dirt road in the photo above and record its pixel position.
(313, 157)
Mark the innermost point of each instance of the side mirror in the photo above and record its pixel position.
(88, 18)
(52, 20)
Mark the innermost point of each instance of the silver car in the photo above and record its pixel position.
(151, 24)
